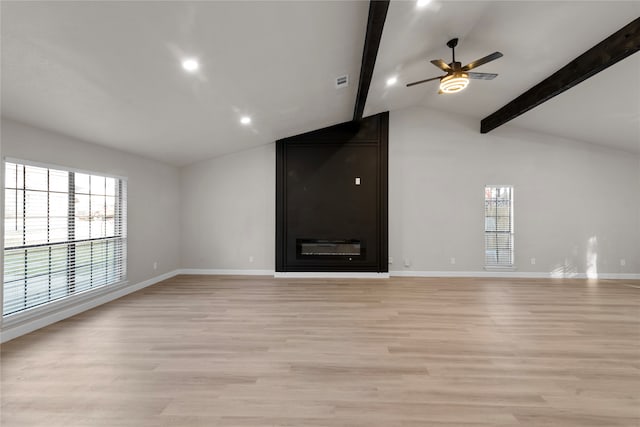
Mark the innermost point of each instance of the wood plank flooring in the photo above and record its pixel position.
(257, 351)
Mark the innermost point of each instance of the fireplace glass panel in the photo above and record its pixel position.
(325, 247)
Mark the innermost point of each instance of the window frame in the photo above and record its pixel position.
(73, 297)
(511, 266)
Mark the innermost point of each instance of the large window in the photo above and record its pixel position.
(65, 233)
(498, 225)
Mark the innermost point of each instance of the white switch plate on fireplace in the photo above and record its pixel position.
(357, 180)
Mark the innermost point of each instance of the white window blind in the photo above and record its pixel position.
(498, 226)
(65, 233)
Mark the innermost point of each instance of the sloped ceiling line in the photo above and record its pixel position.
(614, 48)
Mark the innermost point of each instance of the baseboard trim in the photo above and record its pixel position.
(11, 330)
(406, 273)
(225, 272)
(619, 276)
(329, 275)
(513, 275)
(495, 274)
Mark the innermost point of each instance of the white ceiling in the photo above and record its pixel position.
(536, 38)
(109, 72)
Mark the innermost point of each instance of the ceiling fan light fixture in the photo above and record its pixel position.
(454, 83)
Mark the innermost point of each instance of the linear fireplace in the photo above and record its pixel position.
(322, 248)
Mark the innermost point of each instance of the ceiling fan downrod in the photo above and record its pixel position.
(452, 44)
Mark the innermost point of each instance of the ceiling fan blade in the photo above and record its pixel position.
(482, 61)
(482, 76)
(442, 65)
(424, 81)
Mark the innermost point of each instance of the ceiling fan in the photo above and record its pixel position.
(457, 77)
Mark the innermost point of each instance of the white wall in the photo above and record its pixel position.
(228, 212)
(566, 195)
(566, 192)
(153, 199)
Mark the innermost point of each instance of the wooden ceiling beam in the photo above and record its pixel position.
(375, 24)
(614, 48)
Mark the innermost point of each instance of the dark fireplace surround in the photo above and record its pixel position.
(331, 199)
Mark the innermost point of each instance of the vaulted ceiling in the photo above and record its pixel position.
(110, 73)
(537, 38)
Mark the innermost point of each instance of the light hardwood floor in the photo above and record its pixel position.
(258, 351)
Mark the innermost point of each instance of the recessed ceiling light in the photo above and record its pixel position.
(245, 120)
(392, 80)
(191, 65)
(422, 3)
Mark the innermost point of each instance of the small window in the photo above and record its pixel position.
(498, 226)
(65, 233)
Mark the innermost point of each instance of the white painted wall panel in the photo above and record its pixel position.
(228, 211)
(572, 199)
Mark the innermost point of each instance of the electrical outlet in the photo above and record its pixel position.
(452, 260)
(623, 262)
(251, 258)
(407, 263)
(155, 265)
(533, 261)
(390, 260)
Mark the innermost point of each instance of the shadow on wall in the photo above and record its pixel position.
(569, 270)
